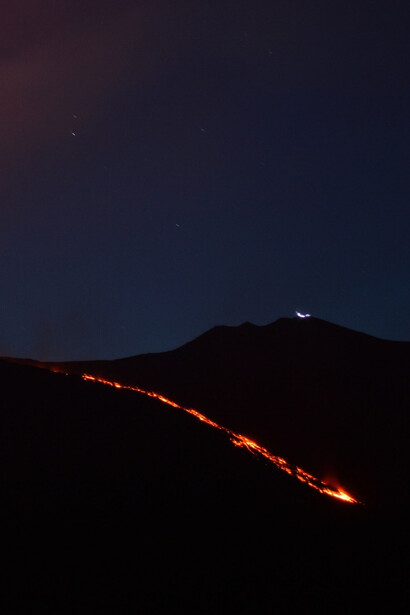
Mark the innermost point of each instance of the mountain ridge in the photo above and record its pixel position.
(325, 397)
(113, 500)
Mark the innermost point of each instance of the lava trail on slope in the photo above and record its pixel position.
(242, 441)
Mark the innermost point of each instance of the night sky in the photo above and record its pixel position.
(169, 166)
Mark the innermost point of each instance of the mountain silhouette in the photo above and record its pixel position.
(115, 502)
(330, 399)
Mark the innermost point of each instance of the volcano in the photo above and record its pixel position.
(331, 400)
(116, 500)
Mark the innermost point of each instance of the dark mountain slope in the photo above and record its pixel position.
(116, 503)
(327, 398)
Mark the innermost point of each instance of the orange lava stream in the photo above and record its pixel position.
(243, 442)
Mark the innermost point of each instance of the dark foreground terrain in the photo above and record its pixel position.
(114, 502)
(329, 399)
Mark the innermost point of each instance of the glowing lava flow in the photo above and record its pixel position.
(242, 441)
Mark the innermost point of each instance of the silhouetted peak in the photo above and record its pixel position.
(247, 325)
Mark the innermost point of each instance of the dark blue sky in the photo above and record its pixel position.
(170, 166)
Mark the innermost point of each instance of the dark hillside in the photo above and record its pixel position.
(332, 400)
(116, 503)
